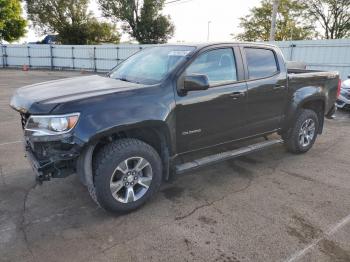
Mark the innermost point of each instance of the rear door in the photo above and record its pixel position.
(267, 90)
(209, 117)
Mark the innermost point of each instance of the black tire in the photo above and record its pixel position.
(106, 162)
(292, 137)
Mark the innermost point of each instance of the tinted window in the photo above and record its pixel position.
(261, 62)
(219, 65)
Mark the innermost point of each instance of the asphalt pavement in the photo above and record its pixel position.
(267, 206)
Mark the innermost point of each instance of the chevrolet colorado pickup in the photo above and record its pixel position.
(167, 110)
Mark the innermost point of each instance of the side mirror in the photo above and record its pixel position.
(348, 76)
(196, 82)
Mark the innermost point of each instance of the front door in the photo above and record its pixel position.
(209, 117)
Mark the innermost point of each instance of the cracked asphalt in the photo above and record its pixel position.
(267, 206)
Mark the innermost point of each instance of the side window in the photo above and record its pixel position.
(218, 65)
(261, 62)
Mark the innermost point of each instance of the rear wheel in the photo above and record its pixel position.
(127, 173)
(301, 137)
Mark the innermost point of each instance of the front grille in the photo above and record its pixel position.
(24, 119)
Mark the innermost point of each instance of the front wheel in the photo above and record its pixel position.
(301, 137)
(127, 173)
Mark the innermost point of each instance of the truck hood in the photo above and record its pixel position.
(49, 94)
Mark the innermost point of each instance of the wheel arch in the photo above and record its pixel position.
(156, 134)
(306, 98)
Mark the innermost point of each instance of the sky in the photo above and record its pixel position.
(191, 18)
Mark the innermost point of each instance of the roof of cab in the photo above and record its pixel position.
(203, 44)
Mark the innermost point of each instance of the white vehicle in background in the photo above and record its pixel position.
(343, 100)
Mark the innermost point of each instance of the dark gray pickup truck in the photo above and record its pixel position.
(168, 110)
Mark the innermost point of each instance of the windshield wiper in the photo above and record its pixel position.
(127, 80)
(123, 79)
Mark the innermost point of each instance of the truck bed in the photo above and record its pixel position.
(325, 81)
(294, 71)
(312, 75)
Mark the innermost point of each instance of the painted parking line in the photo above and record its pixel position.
(333, 229)
(10, 143)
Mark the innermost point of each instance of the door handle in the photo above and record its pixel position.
(236, 95)
(278, 87)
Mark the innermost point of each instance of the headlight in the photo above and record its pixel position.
(51, 125)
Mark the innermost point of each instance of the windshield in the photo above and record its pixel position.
(151, 65)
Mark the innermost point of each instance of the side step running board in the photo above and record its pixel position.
(209, 160)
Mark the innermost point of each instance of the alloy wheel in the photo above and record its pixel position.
(131, 179)
(307, 132)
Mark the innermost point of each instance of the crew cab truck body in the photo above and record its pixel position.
(126, 132)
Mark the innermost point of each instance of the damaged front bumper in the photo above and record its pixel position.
(52, 159)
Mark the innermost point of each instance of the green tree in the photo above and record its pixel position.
(102, 32)
(142, 19)
(292, 22)
(88, 33)
(71, 20)
(332, 15)
(12, 25)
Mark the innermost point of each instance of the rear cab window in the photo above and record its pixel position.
(261, 62)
